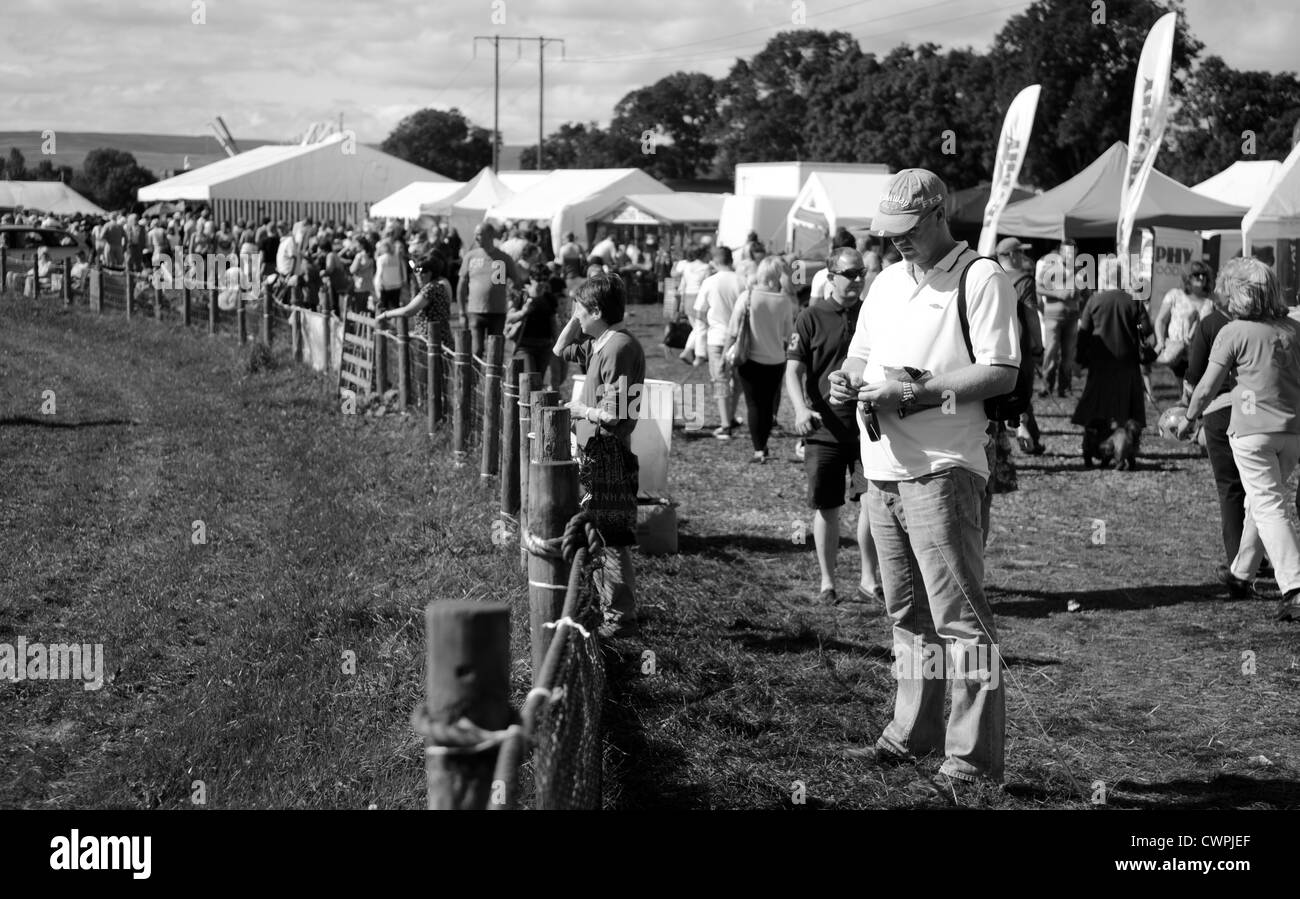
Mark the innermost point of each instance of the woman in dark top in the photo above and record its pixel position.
(535, 316)
(1232, 495)
(1109, 341)
(430, 309)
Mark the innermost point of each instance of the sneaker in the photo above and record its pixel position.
(1238, 588)
(874, 600)
(827, 597)
(878, 756)
(1289, 608)
(723, 433)
(759, 457)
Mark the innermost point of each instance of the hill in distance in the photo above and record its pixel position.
(156, 152)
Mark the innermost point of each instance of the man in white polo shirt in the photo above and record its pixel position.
(927, 473)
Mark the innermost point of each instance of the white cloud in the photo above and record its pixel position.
(271, 69)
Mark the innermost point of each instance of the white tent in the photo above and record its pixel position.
(1241, 183)
(1276, 214)
(47, 196)
(408, 202)
(566, 198)
(764, 215)
(336, 178)
(681, 208)
(829, 201)
(465, 207)
(519, 181)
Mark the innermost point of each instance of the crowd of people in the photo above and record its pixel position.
(906, 337)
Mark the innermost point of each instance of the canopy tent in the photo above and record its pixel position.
(764, 215)
(663, 210)
(47, 196)
(333, 179)
(464, 208)
(1087, 205)
(1241, 183)
(409, 202)
(966, 207)
(1276, 214)
(566, 198)
(829, 201)
(518, 182)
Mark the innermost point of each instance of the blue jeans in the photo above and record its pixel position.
(930, 541)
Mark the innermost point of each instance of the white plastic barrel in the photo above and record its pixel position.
(652, 437)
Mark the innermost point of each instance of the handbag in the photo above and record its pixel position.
(1174, 353)
(608, 477)
(676, 333)
(738, 353)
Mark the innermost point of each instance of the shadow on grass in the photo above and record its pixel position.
(736, 547)
(641, 773)
(1223, 792)
(50, 422)
(1041, 603)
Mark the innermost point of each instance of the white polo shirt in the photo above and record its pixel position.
(906, 323)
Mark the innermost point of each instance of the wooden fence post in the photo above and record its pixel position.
(510, 438)
(130, 302)
(467, 671)
(241, 319)
(552, 501)
(295, 333)
(266, 317)
(433, 378)
(461, 398)
(537, 398)
(496, 345)
(97, 288)
(66, 291)
(403, 364)
(528, 382)
(4, 268)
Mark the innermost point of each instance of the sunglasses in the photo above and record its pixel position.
(851, 274)
(873, 425)
(911, 232)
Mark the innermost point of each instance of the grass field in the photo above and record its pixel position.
(327, 534)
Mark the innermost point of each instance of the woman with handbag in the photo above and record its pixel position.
(761, 325)
(1179, 312)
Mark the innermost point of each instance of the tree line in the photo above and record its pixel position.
(108, 178)
(814, 95)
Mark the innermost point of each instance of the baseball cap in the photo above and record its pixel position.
(911, 194)
(1008, 245)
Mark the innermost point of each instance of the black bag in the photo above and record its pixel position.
(676, 333)
(1011, 405)
(608, 475)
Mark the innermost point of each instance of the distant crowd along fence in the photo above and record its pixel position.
(475, 742)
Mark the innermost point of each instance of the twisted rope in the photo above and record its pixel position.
(579, 533)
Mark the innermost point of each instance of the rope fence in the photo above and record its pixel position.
(503, 424)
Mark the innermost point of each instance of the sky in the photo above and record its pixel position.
(271, 69)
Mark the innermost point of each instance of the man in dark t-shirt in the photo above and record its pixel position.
(820, 342)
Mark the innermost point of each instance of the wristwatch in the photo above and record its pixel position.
(909, 394)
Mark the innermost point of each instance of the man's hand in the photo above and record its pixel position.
(883, 395)
(572, 331)
(806, 421)
(1184, 428)
(844, 387)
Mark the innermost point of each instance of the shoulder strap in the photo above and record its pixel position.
(961, 303)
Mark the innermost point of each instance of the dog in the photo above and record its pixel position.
(1110, 442)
